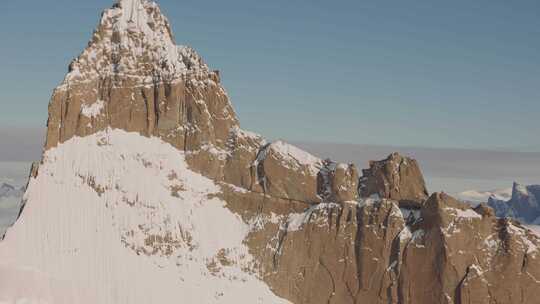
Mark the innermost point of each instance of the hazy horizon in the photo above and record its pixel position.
(347, 80)
(449, 170)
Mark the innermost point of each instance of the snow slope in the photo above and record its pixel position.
(296, 157)
(117, 218)
(535, 229)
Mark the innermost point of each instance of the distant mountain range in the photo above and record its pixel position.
(523, 205)
(10, 199)
(7, 190)
(519, 202)
(148, 191)
(475, 196)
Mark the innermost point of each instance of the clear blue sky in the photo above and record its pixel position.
(463, 74)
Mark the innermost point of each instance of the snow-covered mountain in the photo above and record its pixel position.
(132, 209)
(150, 192)
(519, 202)
(524, 204)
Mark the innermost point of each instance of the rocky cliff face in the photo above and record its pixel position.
(262, 222)
(398, 178)
(133, 76)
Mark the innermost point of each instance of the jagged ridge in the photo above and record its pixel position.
(297, 220)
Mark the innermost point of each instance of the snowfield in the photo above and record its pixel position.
(118, 218)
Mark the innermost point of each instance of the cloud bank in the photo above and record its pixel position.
(451, 170)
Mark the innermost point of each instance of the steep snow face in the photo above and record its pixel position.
(117, 218)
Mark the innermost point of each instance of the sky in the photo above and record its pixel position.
(443, 74)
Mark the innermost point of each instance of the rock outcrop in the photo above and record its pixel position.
(467, 257)
(374, 251)
(338, 182)
(284, 171)
(316, 232)
(132, 76)
(398, 178)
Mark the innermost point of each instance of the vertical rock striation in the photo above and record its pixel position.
(398, 178)
(313, 239)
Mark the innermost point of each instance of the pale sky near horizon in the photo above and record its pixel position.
(457, 74)
(450, 170)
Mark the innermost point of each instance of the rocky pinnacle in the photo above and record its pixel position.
(318, 239)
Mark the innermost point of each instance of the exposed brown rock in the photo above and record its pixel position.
(345, 183)
(313, 239)
(309, 257)
(143, 83)
(367, 253)
(398, 178)
(485, 210)
(379, 251)
(243, 147)
(284, 171)
(34, 170)
(457, 248)
(187, 112)
(338, 182)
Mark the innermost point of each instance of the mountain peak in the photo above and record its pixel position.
(133, 76)
(396, 177)
(523, 203)
(149, 192)
(134, 39)
(519, 190)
